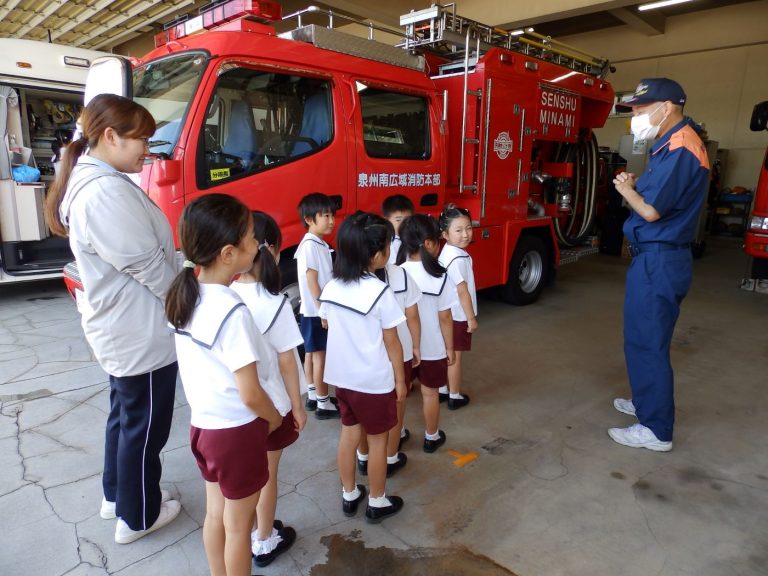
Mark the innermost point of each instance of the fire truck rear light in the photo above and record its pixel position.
(589, 82)
(758, 223)
(532, 66)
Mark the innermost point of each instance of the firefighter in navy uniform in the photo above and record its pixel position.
(666, 201)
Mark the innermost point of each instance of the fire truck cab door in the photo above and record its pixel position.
(397, 148)
(109, 75)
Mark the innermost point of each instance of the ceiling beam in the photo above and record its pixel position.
(125, 32)
(50, 8)
(9, 6)
(81, 17)
(650, 23)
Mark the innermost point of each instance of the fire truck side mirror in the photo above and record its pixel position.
(109, 75)
(759, 117)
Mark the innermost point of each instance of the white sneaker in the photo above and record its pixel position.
(108, 509)
(624, 406)
(639, 436)
(168, 512)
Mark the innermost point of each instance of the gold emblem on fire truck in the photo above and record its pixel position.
(502, 145)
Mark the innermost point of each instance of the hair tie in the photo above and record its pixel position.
(189, 264)
(264, 244)
(83, 140)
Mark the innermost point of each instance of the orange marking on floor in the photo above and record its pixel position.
(462, 459)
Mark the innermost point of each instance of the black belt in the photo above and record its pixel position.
(635, 249)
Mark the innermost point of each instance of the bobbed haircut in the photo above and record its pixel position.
(414, 231)
(361, 236)
(123, 115)
(207, 224)
(313, 204)
(267, 234)
(396, 203)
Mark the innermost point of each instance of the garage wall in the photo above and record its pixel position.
(719, 56)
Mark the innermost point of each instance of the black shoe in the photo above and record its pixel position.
(404, 438)
(362, 467)
(401, 460)
(327, 414)
(350, 506)
(287, 538)
(443, 397)
(376, 515)
(432, 445)
(277, 525)
(456, 403)
(310, 405)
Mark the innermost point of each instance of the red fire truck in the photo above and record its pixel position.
(756, 238)
(497, 122)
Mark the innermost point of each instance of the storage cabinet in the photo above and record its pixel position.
(730, 214)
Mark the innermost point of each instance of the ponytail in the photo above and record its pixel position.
(267, 234)
(182, 297)
(414, 231)
(55, 195)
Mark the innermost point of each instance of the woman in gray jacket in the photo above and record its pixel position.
(126, 257)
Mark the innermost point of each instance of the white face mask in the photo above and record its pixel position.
(641, 126)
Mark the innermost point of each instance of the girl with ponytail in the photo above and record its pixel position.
(218, 346)
(124, 249)
(420, 236)
(260, 290)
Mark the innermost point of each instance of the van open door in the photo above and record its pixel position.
(109, 75)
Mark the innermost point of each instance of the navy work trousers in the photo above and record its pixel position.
(138, 426)
(657, 282)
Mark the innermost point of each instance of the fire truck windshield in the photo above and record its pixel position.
(166, 87)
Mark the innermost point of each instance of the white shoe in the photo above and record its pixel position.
(108, 509)
(624, 406)
(168, 512)
(639, 436)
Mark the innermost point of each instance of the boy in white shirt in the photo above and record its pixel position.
(396, 208)
(314, 270)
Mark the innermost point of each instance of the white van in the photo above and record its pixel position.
(41, 95)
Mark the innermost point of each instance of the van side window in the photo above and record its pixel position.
(395, 125)
(257, 120)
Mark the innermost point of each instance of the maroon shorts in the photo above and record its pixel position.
(376, 413)
(235, 458)
(284, 436)
(462, 340)
(432, 373)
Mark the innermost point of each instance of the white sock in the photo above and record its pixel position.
(443, 390)
(362, 457)
(393, 459)
(311, 394)
(380, 502)
(325, 403)
(402, 432)
(435, 436)
(350, 496)
(457, 396)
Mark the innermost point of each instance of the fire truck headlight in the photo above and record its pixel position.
(758, 223)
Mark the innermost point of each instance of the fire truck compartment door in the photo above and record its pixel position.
(109, 75)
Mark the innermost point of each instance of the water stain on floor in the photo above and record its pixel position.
(348, 556)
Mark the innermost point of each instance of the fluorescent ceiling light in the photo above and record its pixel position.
(520, 31)
(652, 5)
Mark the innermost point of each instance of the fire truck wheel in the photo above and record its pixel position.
(527, 272)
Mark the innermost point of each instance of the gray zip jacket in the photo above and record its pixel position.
(124, 249)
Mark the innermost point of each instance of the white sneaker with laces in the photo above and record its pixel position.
(108, 509)
(168, 512)
(625, 406)
(639, 436)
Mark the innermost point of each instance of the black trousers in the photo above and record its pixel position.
(139, 422)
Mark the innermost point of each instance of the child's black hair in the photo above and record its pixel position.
(414, 231)
(361, 236)
(313, 204)
(207, 224)
(396, 203)
(450, 213)
(267, 234)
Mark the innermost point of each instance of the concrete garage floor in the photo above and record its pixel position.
(548, 494)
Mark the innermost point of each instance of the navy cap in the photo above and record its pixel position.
(654, 90)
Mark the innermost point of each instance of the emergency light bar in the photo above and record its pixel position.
(218, 13)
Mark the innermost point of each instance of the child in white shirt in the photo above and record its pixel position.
(456, 226)
(365, 358)
(260, 290)
(231, 415)
(314, 269)
(395, 209)
(421, 242)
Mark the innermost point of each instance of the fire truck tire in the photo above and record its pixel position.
(290, 288)
(527, 272)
